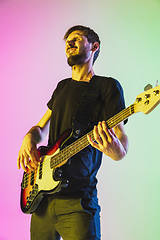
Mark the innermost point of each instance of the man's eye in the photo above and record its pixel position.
(77, 39)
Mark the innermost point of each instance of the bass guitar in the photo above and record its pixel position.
(42, 181)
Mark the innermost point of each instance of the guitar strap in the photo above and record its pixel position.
(83, 115)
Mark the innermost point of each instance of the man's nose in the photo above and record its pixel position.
(71, 43)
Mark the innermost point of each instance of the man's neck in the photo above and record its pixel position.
(82, 73)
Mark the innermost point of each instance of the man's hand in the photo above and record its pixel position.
(28, 155)
(112, 142)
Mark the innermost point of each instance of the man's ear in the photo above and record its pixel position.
(95, 46)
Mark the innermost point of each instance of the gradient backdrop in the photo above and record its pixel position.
(32, 61)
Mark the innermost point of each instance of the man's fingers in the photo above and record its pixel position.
(37, 156)
(97, 134)
(28, 154)
(105, 133)
(34, 159)
(22, 159)
(93, 144)
(102, 136)
(27, 162)
(18, 162)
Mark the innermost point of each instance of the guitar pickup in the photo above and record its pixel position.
(40, 170)
(24, 183)
(32, 178)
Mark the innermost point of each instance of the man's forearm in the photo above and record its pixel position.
(124, 140)
(37, 133)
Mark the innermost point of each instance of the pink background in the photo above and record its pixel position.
(32, 61)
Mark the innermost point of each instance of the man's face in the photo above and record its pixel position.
(78, 49)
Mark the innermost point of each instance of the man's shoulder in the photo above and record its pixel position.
(105, 78)
(64, 81)
(108, 81)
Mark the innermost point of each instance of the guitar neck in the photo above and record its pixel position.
(121, 116)
(82, 142)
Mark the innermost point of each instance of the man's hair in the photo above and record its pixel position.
(88, 33)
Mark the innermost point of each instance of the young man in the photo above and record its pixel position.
(73, 213)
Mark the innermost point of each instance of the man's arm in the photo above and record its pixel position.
(112, 142)
(28, 155)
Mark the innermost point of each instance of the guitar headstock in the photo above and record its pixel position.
(148, 100)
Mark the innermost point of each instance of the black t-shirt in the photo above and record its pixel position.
(64, 103)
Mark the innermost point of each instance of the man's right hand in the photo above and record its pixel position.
(28, 154)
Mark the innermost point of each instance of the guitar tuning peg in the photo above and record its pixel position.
(156, 83)
(147, 87)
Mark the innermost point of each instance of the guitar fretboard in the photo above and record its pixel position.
(82, 142)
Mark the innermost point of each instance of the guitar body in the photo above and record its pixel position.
(41, 181)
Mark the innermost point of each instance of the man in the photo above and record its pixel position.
(73, 213)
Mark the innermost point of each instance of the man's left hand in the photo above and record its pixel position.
(108, 142)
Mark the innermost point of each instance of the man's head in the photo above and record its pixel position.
(91, 37)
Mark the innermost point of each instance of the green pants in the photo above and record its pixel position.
(66, 218)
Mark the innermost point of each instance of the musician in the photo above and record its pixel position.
(74, 212)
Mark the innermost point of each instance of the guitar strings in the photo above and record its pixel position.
(72, 149)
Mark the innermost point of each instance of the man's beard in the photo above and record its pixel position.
(79, 58)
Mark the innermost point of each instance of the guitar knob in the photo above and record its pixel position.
(147, 102)
(147, 96)
(156, 92)
(65, 183)
(57, 174)
(138, 100)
